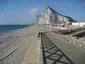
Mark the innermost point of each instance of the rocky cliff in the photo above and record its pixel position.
(52, 17)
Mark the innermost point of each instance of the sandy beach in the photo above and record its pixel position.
(17, 42)
(23, 45)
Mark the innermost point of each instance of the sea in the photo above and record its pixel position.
(7, 28)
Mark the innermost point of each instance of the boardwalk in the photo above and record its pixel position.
(56, 51)
(51, 53)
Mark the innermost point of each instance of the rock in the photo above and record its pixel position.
(52, 17)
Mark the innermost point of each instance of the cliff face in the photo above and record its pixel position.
(50, 16)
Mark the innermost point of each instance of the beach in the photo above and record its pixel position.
(22, 46)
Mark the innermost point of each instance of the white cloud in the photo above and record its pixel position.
(33, 11)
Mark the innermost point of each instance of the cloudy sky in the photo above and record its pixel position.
(25, 11)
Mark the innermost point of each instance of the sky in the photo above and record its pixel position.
(25, 11)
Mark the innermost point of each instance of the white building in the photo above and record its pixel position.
(81, 24)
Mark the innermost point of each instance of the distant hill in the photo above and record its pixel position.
(52, 17)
